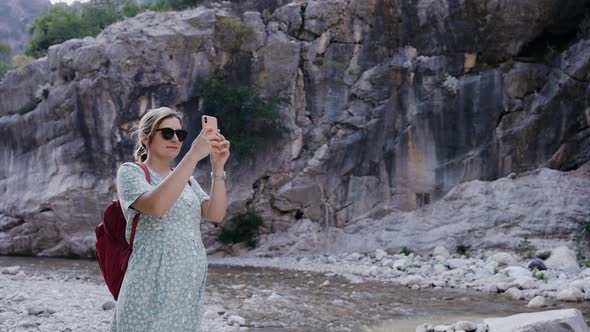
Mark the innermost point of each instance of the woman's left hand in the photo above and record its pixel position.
(219, 158)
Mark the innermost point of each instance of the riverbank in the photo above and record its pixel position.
(536, 283)
(354, 292)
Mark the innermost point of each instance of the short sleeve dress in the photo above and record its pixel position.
(164, 285)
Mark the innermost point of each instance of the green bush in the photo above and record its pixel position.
(539, 275)
(248, 120)
(243, 229)
(584, 27)
(406, 251)
(524, 248)
(232, 32)
(4, 59)
(64, 22)
(462, 250)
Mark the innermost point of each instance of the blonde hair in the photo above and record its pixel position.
(147, 126)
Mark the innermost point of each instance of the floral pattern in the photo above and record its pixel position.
(164, 285)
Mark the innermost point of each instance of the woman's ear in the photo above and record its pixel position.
(144, 140)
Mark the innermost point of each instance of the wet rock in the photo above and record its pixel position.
(537, 302)
(570, 295)
(538, 264)
(515, 293)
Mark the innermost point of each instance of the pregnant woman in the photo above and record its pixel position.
(164, 286)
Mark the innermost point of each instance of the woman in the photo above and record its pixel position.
(164, 285)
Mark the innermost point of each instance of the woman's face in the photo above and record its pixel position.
(161, 147)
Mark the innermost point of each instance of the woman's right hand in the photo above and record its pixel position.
(206, 139)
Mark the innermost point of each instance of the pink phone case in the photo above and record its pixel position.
(208, 121)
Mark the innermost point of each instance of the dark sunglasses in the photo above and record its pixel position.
(168, 133)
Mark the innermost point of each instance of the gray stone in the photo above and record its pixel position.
(565, 320)
(108, 305)
(563, 259)
(13, 270)
(538, 264)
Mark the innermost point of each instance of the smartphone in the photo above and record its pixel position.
(208, 121)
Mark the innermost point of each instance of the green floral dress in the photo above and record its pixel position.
(164, 286)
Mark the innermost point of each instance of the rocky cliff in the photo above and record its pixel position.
(392, 104)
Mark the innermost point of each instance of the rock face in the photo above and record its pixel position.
(393, 105)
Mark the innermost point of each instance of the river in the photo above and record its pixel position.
(273, 299)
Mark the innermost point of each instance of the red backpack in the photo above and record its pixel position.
(112, 249)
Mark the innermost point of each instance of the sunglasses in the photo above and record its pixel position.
(168, 133)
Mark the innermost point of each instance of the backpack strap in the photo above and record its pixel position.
(148, 177)
(136, 218)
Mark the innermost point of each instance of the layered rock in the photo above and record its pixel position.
(392, 105)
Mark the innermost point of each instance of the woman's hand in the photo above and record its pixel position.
(206, 140)
(219, 156)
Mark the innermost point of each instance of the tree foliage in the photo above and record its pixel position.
(4, 59)
(250, 121)
(63, 22)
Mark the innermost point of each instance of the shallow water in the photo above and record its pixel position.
(284, 300)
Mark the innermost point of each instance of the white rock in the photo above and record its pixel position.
(504, 286)
(380, 254)
(108, 305)
(515, 293)
(20, 298)
(503, 259)
(517, 271)
(210, 315)
(570, 295)
(442, 328)
(36, 309)
(325, 283)
(355, 256)
(537, 302)
(525, 282)
(400, 264)
(13, 270)
(553, 320)
(457, 263)
(386, 262)
(491, 289)
(581, 284)
(464, 325)
(411, 280)
(564, 259)
(235, 319)
(440, 251)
